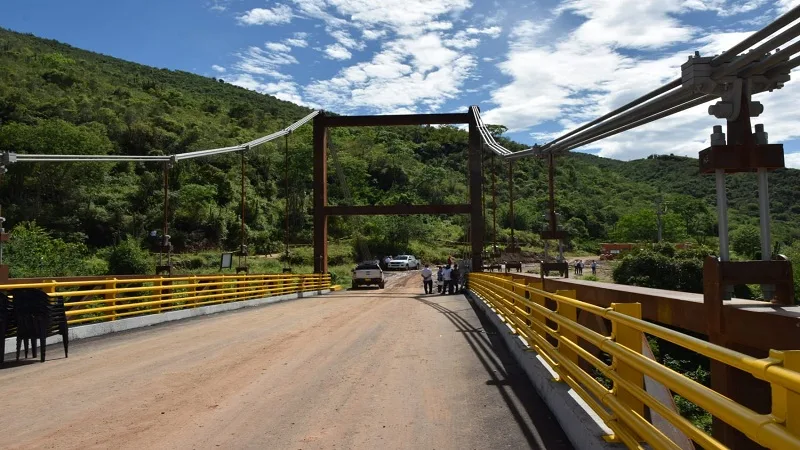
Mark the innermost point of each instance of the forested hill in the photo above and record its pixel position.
(58, 99)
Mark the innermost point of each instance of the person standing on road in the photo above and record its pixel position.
(427, 280)
(439, 279)
(594, 267)
(446, 278)
(455, 274)
(386, 262)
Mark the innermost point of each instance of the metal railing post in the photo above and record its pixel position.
(630, 338)
(785, 402)
(569, 312)
(160, 292)
(536, 298)
(111, 297)
(192, 291)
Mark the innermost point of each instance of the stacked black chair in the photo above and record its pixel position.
(8, 326)
(38, 316)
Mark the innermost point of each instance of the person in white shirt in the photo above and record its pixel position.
(446, 275)
(427, 280)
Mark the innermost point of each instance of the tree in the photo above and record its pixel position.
(746, 241)
(128, 258)
(642, 226)
(33, 252)
(695, 213)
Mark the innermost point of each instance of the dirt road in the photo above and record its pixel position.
(356, 369)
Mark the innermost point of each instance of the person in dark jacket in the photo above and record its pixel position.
(455, 275)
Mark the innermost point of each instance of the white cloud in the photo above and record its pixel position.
(786, 5)
(406, 17)
(294, 42)
(217, 68)
(371, 35)
(648, 24)
(465, 38)
(792, 160)
(277, 47)
(256, 61)
(343, 38)
(337, 51)
(218, 5)
(492, 32)
(407, 74)
(723, 7)
(264, 16)
(438, 25)
(283, 90)
(297, 40)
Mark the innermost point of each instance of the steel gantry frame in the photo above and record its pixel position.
(322, 210)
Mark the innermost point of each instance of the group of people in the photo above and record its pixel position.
(579, 267)
(448, 279)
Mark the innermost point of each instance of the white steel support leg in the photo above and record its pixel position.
(722, 221)
(763, 211)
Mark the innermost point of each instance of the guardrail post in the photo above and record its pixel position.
(569, 312)
(193, 290)
(238, 289)
(111, 297)
(537, 316)
(51, 288)
(632, 339)
(785, 402)
(160, 292)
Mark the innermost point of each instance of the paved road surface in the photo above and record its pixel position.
(354, 370)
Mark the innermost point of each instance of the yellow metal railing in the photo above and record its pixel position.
(553, 332)
(110, 299)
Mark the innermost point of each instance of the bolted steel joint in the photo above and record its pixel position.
(718, 137)
(722, 110)
(761, 137)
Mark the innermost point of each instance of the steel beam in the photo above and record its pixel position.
(395, 210)
(687, 312)
(320, 195)
(477, 224)
(395, 120)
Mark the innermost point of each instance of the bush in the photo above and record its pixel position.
(662, 268)
(32, 252)
(128, 258)
(746, 241)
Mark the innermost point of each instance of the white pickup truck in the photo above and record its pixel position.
(368, 273)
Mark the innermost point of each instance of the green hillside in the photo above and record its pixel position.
(58, 99)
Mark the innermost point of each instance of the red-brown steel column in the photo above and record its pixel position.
(511, 202)
(475, 192)
(320, 195)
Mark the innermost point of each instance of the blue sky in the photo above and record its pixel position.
(538, 67)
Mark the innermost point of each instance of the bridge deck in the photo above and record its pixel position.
(362, 369)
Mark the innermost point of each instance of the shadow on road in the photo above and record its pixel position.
(541, 430)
